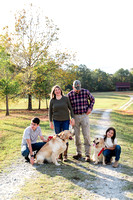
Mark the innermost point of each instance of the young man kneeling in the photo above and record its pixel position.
(29, 139)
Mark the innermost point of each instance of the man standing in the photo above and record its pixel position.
(82, 108)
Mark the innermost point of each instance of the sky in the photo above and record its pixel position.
(99, 31)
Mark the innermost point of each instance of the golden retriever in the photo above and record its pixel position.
(98, 148)
(53, 148)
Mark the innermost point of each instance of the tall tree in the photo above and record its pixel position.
(31, 41)
(43, 82)
(9, 87)
(122, 75)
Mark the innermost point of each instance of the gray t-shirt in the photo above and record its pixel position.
(30, 134)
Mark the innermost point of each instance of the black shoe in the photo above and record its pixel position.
(65, 159)
(77, 157)
(27, 159)
(107, 162)
(60, 157)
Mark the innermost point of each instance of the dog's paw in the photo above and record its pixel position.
(57, 164)
(95, 163)
(104, 164)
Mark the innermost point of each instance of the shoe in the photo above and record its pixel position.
(60, 157)
(77, 157)
(27, 159)
(115, 165)
(87, 159)
(65, 159)
(107, 163)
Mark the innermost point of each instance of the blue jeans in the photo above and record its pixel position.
(35, 147)
(110, 153)
(61, 126)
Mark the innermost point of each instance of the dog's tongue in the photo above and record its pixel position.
(94, 144)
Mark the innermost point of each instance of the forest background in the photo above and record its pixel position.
(30, 63)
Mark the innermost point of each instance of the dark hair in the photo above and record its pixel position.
(113, 137)
(53, 96)
(36, 120)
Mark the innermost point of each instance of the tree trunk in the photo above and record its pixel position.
(7, 108)
(29, 102)
(39, 104)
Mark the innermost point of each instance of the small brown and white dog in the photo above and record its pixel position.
(53, 148)
(99, 146)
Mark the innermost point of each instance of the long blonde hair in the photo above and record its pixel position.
(52, 95)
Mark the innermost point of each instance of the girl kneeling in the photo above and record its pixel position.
(111, 147)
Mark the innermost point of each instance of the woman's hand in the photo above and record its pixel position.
(51, 125)
(72, 122)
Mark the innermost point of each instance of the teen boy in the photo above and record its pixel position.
(29, 139)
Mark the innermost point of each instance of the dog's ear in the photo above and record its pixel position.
(101, 140)
(62, 135)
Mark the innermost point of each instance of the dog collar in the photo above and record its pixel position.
(60, 138)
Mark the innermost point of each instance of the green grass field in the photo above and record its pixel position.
(12, 127)
(50, 179)
(104, 100)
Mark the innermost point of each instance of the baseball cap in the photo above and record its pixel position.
(77, 85)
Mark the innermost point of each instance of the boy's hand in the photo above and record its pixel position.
(32, 160)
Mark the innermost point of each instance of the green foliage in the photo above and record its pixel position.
(122, 75)
(97, 80)
(8, 87)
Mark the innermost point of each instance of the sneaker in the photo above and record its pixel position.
(107, 163)
(60, 157)
(27, 159)
(115, 165)
(87, 159)
(77, 157)
(65, 159)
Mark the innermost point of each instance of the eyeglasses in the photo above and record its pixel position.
(32, 124)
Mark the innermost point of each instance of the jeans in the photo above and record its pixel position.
(110, 153)
(35, 147)
(61, 126)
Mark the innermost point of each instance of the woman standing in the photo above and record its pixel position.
(59, 113)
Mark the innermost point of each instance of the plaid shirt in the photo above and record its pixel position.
(79, 101)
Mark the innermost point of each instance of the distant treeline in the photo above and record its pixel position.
(100, 81)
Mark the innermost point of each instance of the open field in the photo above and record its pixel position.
(104, 100)
(74, 179)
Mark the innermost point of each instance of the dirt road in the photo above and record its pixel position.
(109, 182)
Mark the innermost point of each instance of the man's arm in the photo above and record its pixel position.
(43, 139)
(92, 101)
(31, 152)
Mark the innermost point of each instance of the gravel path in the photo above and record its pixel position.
(14, 178)
(126, 105)
(112, 179)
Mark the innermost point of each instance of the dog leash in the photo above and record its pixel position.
(101, 151)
